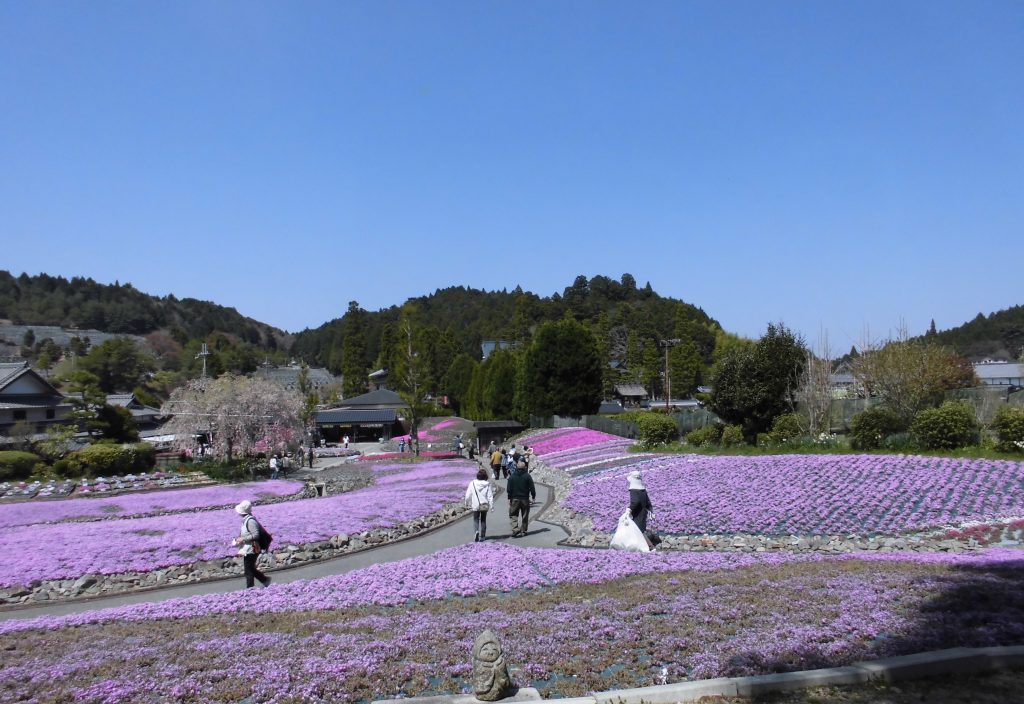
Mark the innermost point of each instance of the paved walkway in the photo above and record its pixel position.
(459, 532)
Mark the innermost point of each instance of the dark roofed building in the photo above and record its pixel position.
(631, 394)
(371, 416)
(359, 424)
(497, 431)
(27, 397)
(145, 417)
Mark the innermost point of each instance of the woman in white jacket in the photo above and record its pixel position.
(480, 498)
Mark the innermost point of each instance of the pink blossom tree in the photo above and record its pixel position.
(240, 415)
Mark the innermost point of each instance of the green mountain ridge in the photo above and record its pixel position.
(122, 309)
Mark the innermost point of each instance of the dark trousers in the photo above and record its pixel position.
(480, 523)
(517, 508)
(251, 573)
(496, 470)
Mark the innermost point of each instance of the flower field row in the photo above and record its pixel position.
(553, 441)
(808, 494)
(570, 621)
(173, 500)
(400, 493)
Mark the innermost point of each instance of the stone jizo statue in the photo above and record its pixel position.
(491, 680)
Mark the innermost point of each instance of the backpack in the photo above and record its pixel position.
(263, 538)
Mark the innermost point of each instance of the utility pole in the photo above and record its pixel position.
(204, 353)
(668, 344)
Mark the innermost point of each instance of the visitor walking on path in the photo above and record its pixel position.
(310, 457)
(496, 458)
(520, 492)
(639, 502)
(480, 498)
(273, 466)
(250, 546)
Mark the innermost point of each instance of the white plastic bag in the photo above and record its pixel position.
(628, 536)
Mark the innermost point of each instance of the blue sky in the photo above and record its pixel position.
(839, 166)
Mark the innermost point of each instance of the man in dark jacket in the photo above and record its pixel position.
(520, 492)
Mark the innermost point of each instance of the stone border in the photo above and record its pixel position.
(960, 661)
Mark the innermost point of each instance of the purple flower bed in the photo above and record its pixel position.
(480, 568)
(571, 621)
(174, 500)
(68, 550)
(808, 494)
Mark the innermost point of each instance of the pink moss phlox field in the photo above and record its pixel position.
(172, 500)
(401, 492)
(477, 569)
(807, 494)
(553, 441)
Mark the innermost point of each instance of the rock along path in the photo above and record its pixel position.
(456, 533)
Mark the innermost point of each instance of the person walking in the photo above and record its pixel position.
(496, 458)
(401, 444)
(639, 502)
(520, 492)
(286, 465)
(311, 457)
(346, 442)
(273, 466)
(249, 549)
(480, 498)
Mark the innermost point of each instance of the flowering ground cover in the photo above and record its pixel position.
(562, 439)
(401, 492)
(571, 622)
(174, 500)
(807, 494)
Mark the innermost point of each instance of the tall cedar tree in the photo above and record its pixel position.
(562, 370)
(353, 351)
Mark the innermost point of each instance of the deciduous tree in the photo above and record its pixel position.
(754, 384)
(241, 415)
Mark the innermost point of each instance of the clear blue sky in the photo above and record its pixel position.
(834, 165)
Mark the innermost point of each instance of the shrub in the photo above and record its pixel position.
(1008, 424)
(104, 458)
(870, 427)
(708, 435)
(657, 429)
(732, 435)
(787, 427)
(15, 464)
(951, 425)
(64, 468)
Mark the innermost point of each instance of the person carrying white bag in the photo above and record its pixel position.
(628, 536)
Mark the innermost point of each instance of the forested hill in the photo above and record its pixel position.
(121, 308)
(998, 335)
(465, 317)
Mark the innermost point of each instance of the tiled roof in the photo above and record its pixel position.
(370, 415)
(381, 397)
(630, 390)
(9, 370)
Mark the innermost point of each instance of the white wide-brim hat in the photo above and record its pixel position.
(635, 482)
(244, 508)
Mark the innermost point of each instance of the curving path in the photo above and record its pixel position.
(459, 532)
